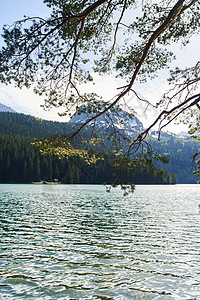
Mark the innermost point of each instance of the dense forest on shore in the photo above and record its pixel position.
(21, 162)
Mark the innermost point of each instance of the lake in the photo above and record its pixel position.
(80, 242)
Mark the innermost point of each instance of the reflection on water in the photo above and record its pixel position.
(79, 242)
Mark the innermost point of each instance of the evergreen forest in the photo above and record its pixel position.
(21, 162)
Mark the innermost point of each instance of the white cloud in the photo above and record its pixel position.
(26, 101)
(105, 86)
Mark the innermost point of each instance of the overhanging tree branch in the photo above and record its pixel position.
(66, 40)
(183, 106)
(170, 18)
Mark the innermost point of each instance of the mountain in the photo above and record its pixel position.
(130, 124)
(162, 134)
(183, 135)
(27, 126)
(21, 162)
(16, 129)
(4, 108)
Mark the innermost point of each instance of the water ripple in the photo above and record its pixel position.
(79, 242)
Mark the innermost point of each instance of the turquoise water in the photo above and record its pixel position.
(79, 242)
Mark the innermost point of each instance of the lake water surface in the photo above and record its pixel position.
(79, 242)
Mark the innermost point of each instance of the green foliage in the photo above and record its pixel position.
(30, 127)
(54, 52)
(182, 28)
(177, 154)
(57, 54)
(54, 146)
(180, 153)
(21, 162)
(129, 58)
(194, 132)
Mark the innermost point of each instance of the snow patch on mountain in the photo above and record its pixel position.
(183, 135)
(122, 121)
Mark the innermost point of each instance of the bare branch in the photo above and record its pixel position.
(166, 113)
(115, 34)
(87, 11)
(75, 51)
(170, 18)
(188, 6)
(143, 100)
(40, 42)
(195, 102)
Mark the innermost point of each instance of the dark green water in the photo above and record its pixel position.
(79, 242)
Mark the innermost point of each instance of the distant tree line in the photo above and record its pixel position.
(20, 162)
(180, 153)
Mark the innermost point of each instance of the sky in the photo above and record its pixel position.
(25, 101)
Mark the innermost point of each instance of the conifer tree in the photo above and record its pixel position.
(57, 54)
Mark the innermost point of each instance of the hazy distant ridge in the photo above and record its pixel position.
(6, 108)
